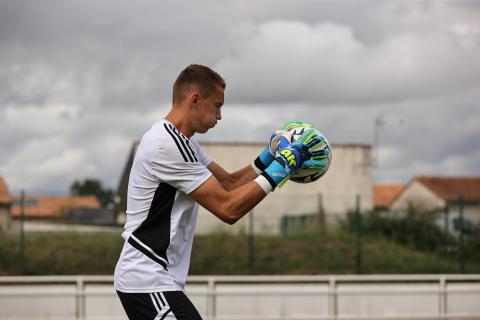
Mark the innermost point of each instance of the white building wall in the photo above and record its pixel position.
(423, 198)
(472, 212)
(334, 194)
(419, 196)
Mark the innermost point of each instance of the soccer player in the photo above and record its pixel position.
(170, 176)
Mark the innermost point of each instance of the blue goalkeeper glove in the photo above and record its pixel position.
(292, 156)
(267, 155)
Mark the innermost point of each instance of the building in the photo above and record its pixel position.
(437, 193)
(328, 199)
(51, 207)
(5, 206)
(384, 194)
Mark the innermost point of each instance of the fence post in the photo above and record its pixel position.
(251, 252)
(442, 296)
(461, 245)
(332, 299)
(22, 232)
(211, 299)
(446, 222)
(80, 311)
(358, 238)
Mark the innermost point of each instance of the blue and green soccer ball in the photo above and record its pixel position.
(309, 174)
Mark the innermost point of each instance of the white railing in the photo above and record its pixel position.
(260, 297)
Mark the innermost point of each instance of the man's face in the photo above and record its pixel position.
(209, 110)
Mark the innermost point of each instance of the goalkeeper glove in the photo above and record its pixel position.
(268, 154)
(292, 156)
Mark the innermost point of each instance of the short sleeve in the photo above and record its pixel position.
(173, 160)
(184, 176)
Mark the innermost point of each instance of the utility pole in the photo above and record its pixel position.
(251, 250)
(22, 232)
(379, 122)
(358, 237)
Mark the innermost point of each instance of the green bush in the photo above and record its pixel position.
(413, 228)
(472, 245)
(61, 253)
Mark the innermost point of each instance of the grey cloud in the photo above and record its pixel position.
(324, 63)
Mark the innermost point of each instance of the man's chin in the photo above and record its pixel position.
(205, 130)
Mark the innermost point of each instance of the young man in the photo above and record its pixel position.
(170, 176)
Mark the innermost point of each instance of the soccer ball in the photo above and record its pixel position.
(307, 175)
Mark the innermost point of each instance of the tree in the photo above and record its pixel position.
(94, 187)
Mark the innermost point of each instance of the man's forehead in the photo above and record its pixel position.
(219, 90)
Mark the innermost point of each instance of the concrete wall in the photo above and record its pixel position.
(350, 174)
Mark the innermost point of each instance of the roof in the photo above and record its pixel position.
(52, 206)
(384, 194)
(452, 188)
(5, 197)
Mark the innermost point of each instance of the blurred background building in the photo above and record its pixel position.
(5, 205)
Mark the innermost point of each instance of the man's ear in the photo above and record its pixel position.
(194, 97)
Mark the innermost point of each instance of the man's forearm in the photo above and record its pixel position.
(231, 181)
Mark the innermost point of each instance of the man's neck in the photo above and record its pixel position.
(179, 120)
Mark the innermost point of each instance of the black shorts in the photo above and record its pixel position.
(166, 305)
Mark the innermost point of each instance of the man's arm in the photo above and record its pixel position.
(231, 181)
(231, 205)
(228, 206)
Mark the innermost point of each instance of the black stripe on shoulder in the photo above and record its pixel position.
(187, 141)
(182, 141)
(191, 149)
(176, 142)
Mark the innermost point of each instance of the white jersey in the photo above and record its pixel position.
(161, 216)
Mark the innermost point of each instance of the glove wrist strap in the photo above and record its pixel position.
(275, 173)
(262, 161)
(264, 183)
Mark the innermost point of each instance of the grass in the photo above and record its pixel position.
(305, 253)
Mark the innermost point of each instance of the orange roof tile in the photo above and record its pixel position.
(5, 197)
(52, 206)
(384, 194)
(451, 188)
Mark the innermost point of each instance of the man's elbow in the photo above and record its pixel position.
(230, 219)
(229, 215)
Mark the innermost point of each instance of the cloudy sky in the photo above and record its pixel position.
(81, 79)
